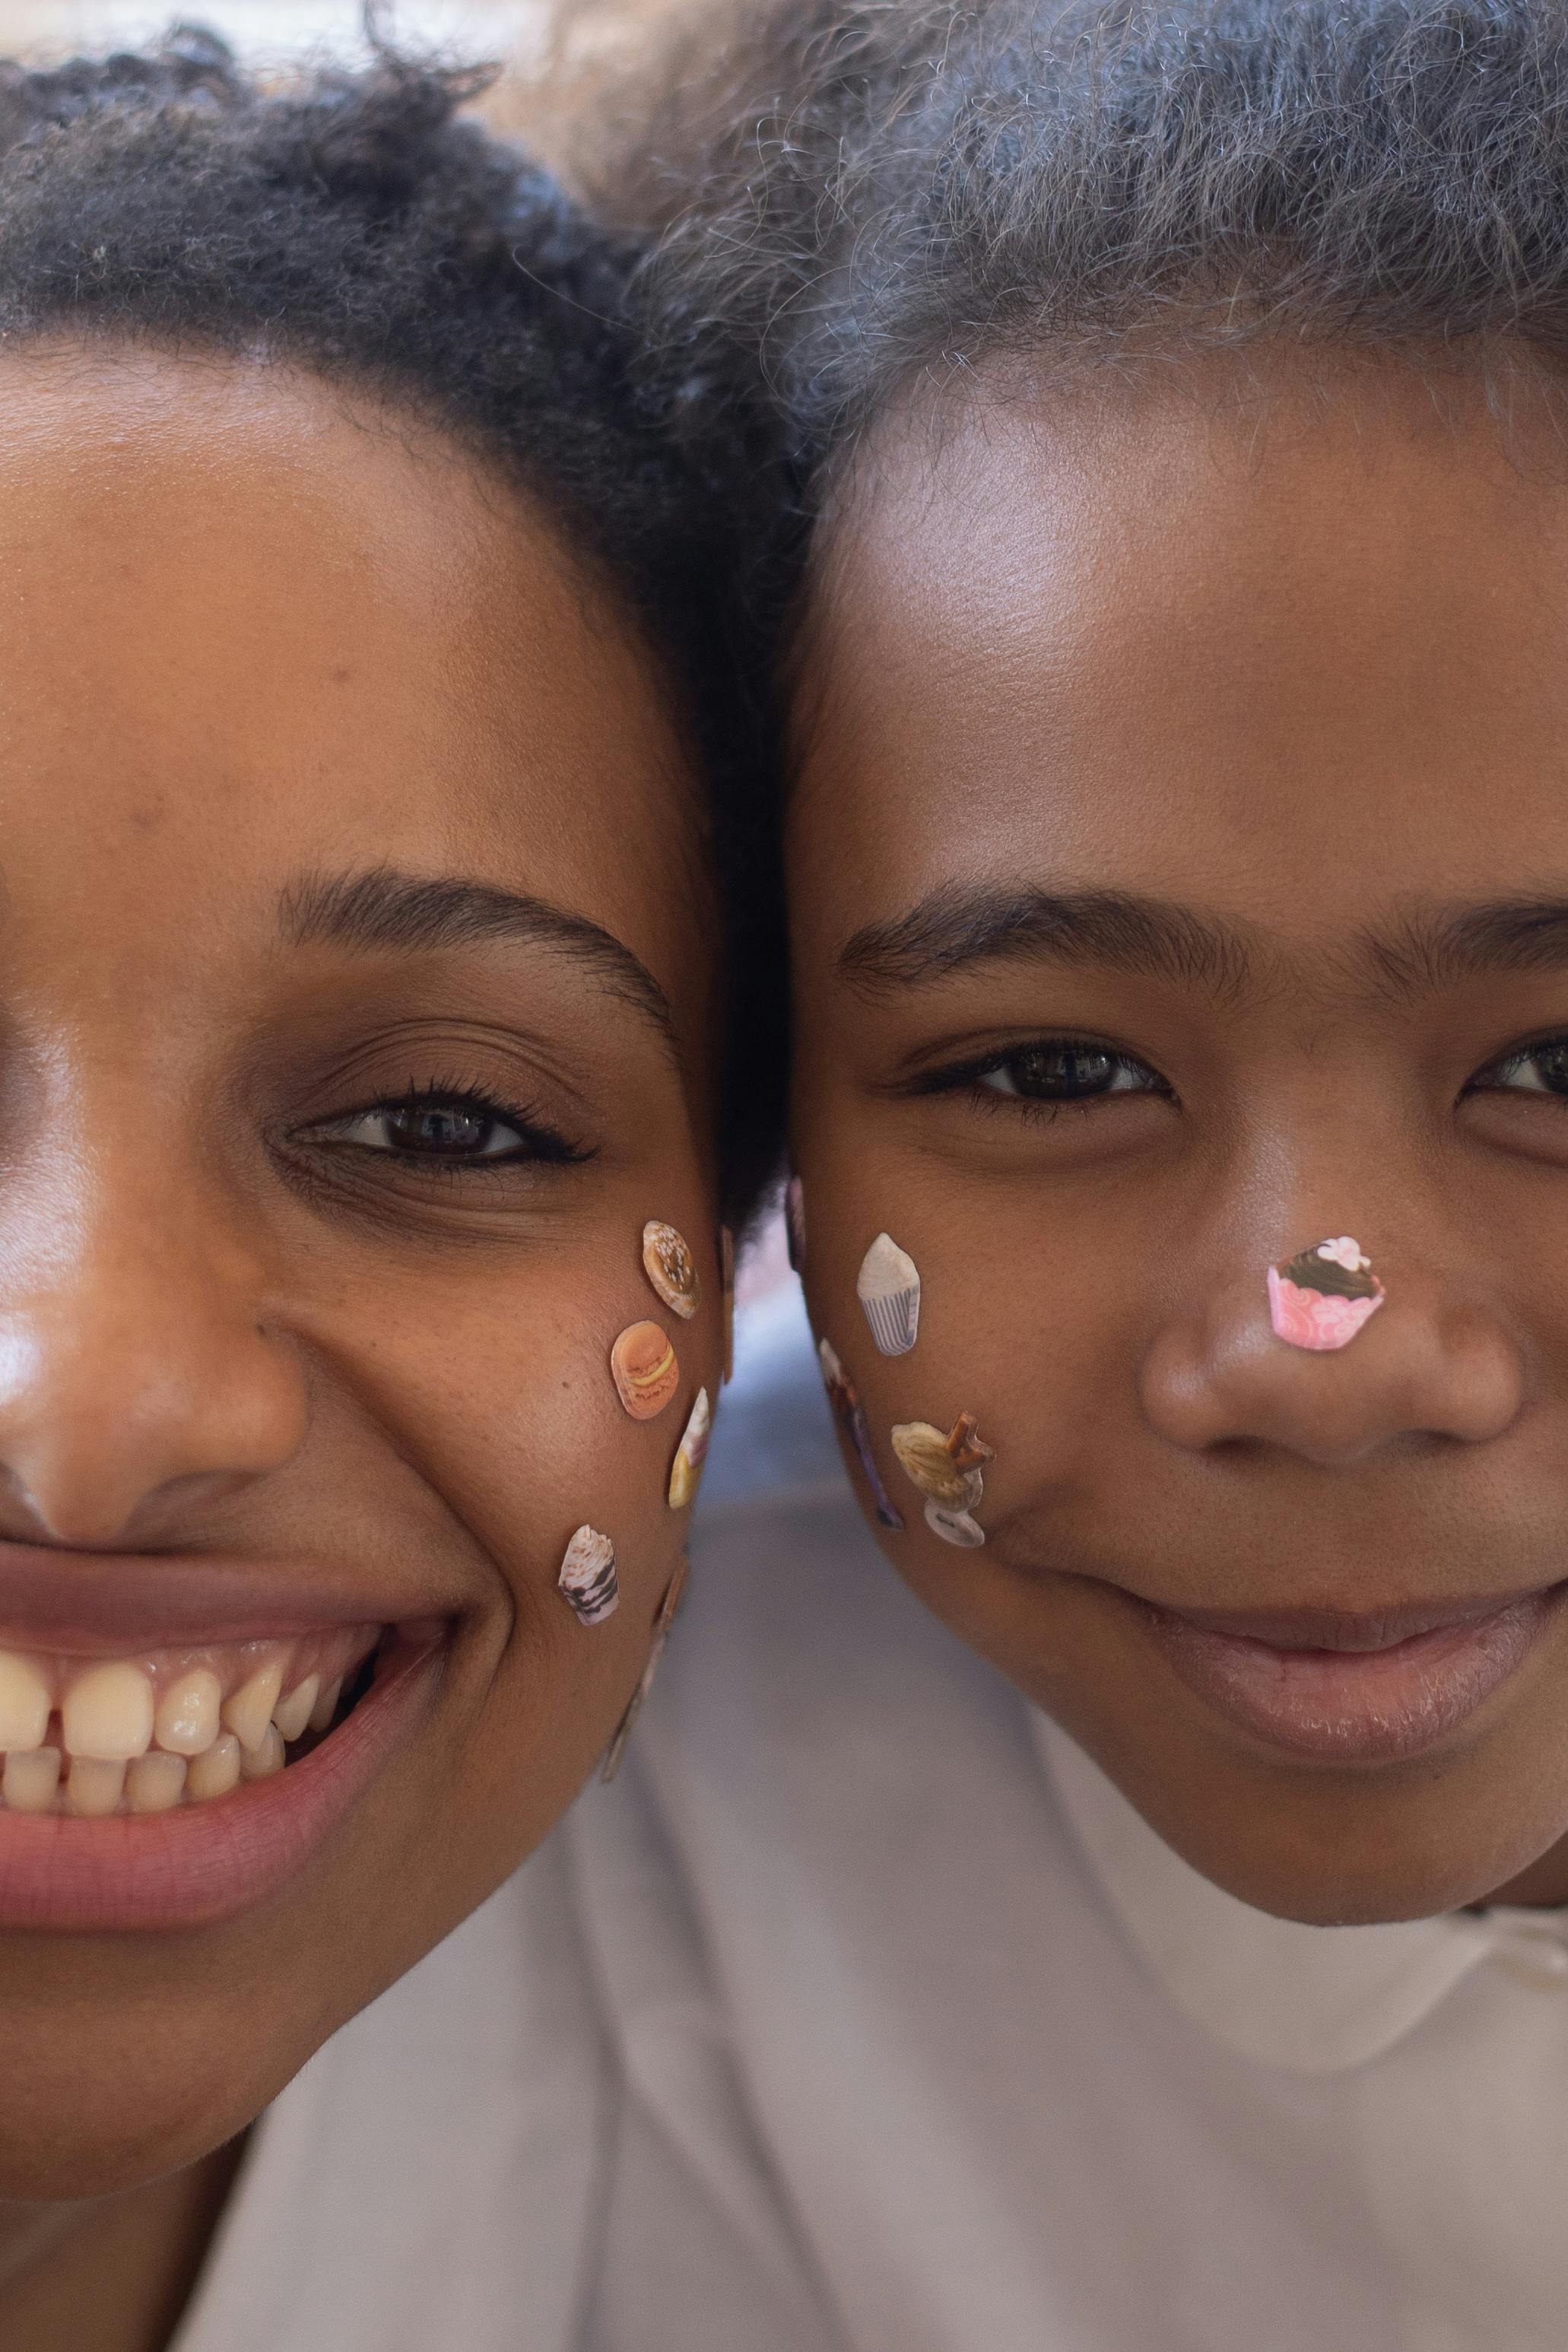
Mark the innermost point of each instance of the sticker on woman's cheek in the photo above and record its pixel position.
(1321, 1298)
(666, 1262)
(954, 1527)
(889, 1288)
(690, 1455)
(947, 1470)
(587, 1576)
(794, 1224)
(644, 1368)
(661, 1625)
(850, 1415)
(727, 1297)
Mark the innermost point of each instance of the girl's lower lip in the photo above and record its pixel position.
(200, 1864)
(1355, 1704)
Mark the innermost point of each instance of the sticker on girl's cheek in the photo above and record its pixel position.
(643, 1367)
(727, 1297)
(889, 1288)
(954, 1527)
(666, 1262)
(587, 1576)
(795, 1223)
(1321, 1298)
(947, 1470)
(690, 1455)
(850, 1415)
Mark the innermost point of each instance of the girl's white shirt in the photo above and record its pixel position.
(862, 2014)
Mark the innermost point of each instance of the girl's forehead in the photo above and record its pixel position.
(1174, 643)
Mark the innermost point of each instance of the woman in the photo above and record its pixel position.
(373, 782)
(1160, 1941)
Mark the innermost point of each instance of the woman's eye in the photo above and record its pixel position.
(444, 1130)
(1538, 1069)
(1063, 1071)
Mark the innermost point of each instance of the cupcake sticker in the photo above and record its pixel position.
(1321, 1298)
(587, 1576)
(850, 1415)
(690, 1455)
(889, 1288)
(666, 1262)
(947, 1470)
(644, 1368)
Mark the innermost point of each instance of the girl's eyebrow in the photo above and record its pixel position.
(954, 928)
(384, 910)
(1419, 949)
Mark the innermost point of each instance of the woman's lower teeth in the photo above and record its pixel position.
(91, 1737)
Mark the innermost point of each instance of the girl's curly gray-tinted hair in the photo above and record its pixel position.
(865, 191)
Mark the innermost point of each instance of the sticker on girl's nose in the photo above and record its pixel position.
(850, 1415)
(1321, 1298)
(795, 1223)
(587, 1576)
(646, 1373)
(889, 1288)
(690, 1455)
(666, 1262)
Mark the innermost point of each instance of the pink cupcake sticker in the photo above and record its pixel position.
(1321, 1298)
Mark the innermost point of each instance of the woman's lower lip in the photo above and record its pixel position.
(1355, 1704)
(203, 1863)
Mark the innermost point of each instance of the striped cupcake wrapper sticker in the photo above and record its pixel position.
(889, 1288)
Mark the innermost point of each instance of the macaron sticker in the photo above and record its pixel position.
(587, 1576)
(668, 1263)
(889, 1288)
(1321, 1298)
(850, 1415)
(663, 1620)
(690, 1455)
(644, 1368)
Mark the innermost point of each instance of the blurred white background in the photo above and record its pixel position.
(269, 27)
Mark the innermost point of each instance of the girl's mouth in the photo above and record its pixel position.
(1369, 1688)
(169, 1787)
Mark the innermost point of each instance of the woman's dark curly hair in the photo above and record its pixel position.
(862, 194)
(356, 223)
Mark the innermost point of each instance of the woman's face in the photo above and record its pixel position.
(353, 1014)
(1180, 872)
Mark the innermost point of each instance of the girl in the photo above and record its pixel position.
(364, 647)
(1159, 1943)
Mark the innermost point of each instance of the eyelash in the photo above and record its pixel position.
(972, 1075)
(1486, 1081)
(538, 1142)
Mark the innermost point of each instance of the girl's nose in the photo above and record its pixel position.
(1430, 1362)
(139, 1383)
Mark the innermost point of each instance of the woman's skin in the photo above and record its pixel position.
(260, 641)
(1221, 727)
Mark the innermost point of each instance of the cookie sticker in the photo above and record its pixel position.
(666, 1262)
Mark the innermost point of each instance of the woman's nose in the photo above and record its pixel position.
(1430, 1362)
(139, 1383)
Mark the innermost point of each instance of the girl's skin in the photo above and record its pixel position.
(258, 636)
(1285, 662)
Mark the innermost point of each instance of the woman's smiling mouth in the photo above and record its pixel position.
(169, 1781)
(1375, 1687)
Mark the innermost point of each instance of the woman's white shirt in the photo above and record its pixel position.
(863, 2015)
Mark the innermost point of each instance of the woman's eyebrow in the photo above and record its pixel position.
(384, 910)
(1431, 947)
(953, 928)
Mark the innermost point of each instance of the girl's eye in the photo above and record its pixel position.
(1538, 1069)
(1067, 1070)
(444, 1129)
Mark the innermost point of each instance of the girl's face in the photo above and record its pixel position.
(353, 1014)
(1180, 871)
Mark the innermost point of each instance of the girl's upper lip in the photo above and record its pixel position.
(1361, 1630)
(87, 1601)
